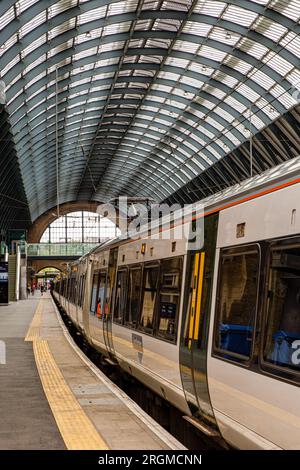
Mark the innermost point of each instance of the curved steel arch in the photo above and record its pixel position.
(188, 56)
(235, 94)
(174, 109)
(155, 112)
(151, 131)
(125, 17)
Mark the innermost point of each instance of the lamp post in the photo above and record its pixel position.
(56, 138)
(251, 142)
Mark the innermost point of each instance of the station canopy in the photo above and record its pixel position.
(148, 98)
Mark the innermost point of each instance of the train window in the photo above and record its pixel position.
(81, 297)
(65, 287)
(134, 296)
(150, 287)
(169, 298)
(120, 299)
(282, 335)
(72, 289)
(94, 293)
(75, 290)
(69, 288)
(79, 291)
(237, 301)
(101, 301)
(112, 263)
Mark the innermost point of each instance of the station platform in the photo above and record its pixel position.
(53, 397)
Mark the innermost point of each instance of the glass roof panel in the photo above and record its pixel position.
(7, 17)
(144, 78)
(92, 15)
(210, 7)
(61, 6)
(291, 42)
(23, 5)
(270, 29)
(240, 16)
(291, 9)
(34, 23)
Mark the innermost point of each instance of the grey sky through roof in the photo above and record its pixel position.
(151, 93)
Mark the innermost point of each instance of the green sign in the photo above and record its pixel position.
(2, 248)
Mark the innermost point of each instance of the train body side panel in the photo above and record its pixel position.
(253, 409)
(154, 362)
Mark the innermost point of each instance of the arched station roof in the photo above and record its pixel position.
(152, 94)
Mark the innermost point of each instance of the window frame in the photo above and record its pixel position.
(119, 269)
(101, 272)
(180, 294)
(143, 267)
(149, 265)
(82, 291)
(134, 267)
(72, 288)
(96, 272)
(66, 285)
(222, 354)
(275, 371)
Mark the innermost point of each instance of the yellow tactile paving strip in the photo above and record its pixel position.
(77, 430)
(34, 329)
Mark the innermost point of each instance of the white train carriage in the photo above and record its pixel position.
(215, 331)
(254, 363)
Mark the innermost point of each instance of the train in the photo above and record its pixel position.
(215, 331)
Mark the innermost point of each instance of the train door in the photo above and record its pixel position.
(97, 306)
(195, 327)
(76, 294)
(107, 313)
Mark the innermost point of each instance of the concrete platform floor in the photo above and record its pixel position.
(26, 420)
(52, 397)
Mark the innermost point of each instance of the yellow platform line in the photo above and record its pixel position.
(77, 430)
(34, 329)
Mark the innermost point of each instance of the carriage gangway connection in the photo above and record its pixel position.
(53, 397)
